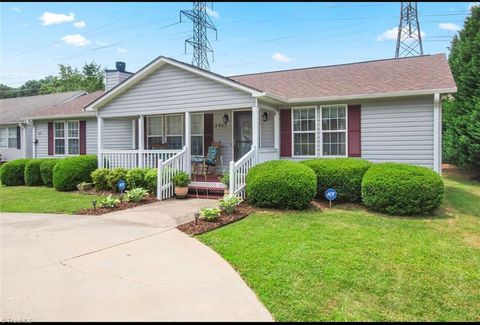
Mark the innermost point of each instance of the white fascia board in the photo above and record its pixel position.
(51, 117)
(149, 69)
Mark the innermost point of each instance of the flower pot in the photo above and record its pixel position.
(181, 192)
(226, 191)
(84, 187)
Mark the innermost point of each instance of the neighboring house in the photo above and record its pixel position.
(16, 129)
(383, 110)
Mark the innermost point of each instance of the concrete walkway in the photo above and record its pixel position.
(127, 265)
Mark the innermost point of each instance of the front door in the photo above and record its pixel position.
(242, 133)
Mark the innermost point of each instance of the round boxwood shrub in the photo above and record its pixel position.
(136, 178)
(32, 174)
(69, 172)
(281, 184)
(151, 180)
(46, 171)
(402, 189)
(12, 173)
(114, 176)
(99, 177)
(343, 174)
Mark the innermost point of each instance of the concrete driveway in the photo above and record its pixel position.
(127, 265)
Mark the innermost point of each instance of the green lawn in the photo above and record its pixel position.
(42, 200)
(347, 264)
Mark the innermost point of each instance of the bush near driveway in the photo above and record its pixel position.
(343, 174)
(12, 173)
(99, 177)
(151, 180)
(46, 171)
(402, 189)
(32, 174)
(281, 184)
(114, 176)
(136, 178)
(68, 172)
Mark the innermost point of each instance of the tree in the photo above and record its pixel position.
(461, 112)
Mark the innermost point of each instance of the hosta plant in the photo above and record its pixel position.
(109, 202)
(136, 194)
(210, 214)
(228, 203)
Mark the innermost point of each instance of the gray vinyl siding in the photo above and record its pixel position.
(117, 133)
(267, 130)
(172, 89)
(112, 78)
(41, 131)
(13, 153)
(398, 131)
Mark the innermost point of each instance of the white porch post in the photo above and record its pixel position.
(437, 134)
(188, 140)
(100, 141)
(276, 130)
(141, 140)
(256, 129)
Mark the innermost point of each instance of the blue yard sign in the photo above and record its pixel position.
(121, 185)
(330, 195)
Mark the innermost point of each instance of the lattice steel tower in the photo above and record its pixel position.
(409, 39)
(199, 40)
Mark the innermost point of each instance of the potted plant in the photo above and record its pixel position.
(225, 180)
(84, 186)
(181, 181)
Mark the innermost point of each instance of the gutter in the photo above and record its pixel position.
(48, 117)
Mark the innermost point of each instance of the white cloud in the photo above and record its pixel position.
(391, 35)
(50, 18)
(121, 50)
(473, 4)
(75, 40)
(449, 26)
(79, 24)
(100, 43)
(212, 13)
(279, 57)
(16, 9)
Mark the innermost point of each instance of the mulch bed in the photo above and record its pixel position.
(202, 226)
(122, 206)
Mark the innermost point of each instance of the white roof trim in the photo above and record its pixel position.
(155, 65)
(48, 117)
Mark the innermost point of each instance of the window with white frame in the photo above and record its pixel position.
(197, 134)
(304, 131)
(66, 137)
(174, 131)
(8, 137)
(154, 131)
(334, 130)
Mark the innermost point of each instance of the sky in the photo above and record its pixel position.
(252, 37)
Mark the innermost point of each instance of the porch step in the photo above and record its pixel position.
(210, 196)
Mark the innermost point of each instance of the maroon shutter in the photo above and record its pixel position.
(50, 138)
(285, 133)
(207, 131)
(354, 145)
(145, 138)
(83, 137)
(18, 138)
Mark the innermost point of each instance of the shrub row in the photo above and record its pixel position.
(69, 172)
(107, 179)
(12, 173)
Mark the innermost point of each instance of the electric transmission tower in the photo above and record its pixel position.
(199, 41)
(409, 39)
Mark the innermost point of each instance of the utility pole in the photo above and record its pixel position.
(199, 41)
(409, 39)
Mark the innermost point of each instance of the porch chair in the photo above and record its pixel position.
(207, 163)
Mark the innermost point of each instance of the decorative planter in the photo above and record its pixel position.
(84, 187)
(181, 192)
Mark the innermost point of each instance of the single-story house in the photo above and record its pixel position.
(170, 111)
(16, 129)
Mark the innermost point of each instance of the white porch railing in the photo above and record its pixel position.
(134, 158)
(166, 171)
(267, 154)
(238, 172)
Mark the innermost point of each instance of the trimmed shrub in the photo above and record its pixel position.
(402, 189)
(151, 180)
(343, 174)
(99, 177)
(68, 172)
(46, 171)
(12, 172)
(281, 184)
(136, 178)
(114, 176)
(32, 174)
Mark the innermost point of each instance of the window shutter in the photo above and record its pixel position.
(83, 137)
(285, 133)
(207, 131)
(354, 132)
(50, 138)
(19, 146)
